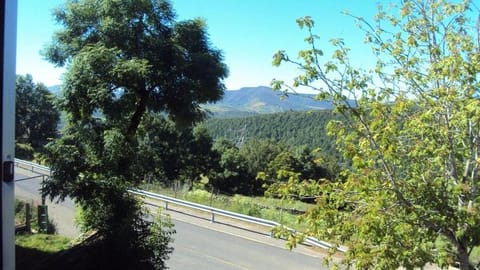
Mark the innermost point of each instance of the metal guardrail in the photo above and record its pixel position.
(33, 167)
(201, 207)
(214, 211)
(32, 177)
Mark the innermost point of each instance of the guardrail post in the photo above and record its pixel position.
(213, 217)
(166, 205)
(28, 217)
(43, 185)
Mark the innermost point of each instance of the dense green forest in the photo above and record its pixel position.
(293, 128)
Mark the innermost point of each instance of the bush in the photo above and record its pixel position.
(199, 196)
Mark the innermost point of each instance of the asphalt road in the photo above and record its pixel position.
(27, 184)
(202, 248)
(198, 243)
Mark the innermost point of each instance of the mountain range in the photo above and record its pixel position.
(262, 99)
(257, 100)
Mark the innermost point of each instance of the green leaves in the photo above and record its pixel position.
(305, 22)
(125, 61)
(410, 136)
(36, 117)
(279, 57)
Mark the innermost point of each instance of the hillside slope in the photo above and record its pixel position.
(259, 100)
(302, 128)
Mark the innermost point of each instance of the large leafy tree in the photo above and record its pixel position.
(169, 153)
(232, 176)
(125, 59)
(412, 134)
(259, 152)
(36, 117)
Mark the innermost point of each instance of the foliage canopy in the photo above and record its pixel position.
(125, 60)
(36, 117)
(412, 136)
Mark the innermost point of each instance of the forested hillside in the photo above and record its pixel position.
(250, 101)
(295, 129)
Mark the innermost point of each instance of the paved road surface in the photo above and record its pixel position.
(199, 244)
(201, 248)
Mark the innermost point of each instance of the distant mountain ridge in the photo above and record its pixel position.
(262, 99)
(249, 101)
(55, 89)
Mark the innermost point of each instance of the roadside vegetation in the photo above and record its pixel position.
(34, 249)
(285, 212)
(49, 243)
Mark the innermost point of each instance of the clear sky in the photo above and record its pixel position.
(248, 32)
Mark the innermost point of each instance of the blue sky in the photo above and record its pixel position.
(248, 32)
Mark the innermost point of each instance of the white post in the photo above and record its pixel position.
(8, 43)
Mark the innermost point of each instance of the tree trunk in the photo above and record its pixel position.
(126, 161)
(136, 118)
(462, 253)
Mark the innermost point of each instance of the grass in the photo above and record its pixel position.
(261, 207)
(49, 243)
(53, 252)
(33, 250)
